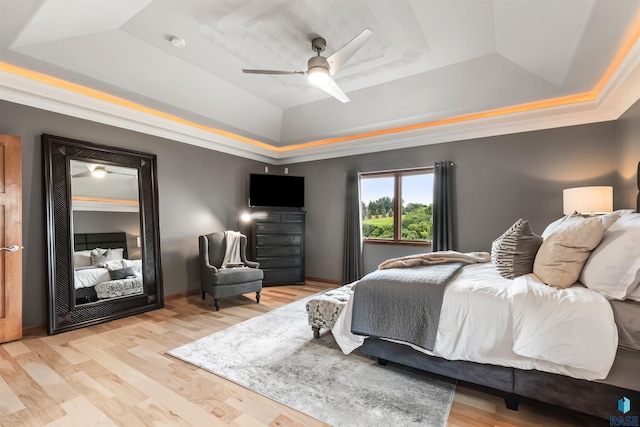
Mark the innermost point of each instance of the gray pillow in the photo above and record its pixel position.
(122, 273)
(513, 253)
(98, 256)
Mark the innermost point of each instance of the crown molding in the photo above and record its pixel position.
(26, 91)
(619, 93)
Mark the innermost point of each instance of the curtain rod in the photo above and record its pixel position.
(398, 170)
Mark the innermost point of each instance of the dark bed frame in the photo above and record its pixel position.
(590, 397)
(88, 241)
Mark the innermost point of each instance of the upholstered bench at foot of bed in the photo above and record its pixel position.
(324, 309)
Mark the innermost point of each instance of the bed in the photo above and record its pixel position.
(518, 348)
(112, 276)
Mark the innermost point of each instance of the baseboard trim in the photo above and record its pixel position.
(34, 329)
(319, 279)
(38, 329)
(181, 295)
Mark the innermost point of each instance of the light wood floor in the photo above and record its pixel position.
(117, 373)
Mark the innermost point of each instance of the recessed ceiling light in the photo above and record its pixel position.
(177, 42)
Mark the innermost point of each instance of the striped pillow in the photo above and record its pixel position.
(513, 253)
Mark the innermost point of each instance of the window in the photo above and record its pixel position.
(397, 206)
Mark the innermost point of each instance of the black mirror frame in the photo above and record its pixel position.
(62, 312)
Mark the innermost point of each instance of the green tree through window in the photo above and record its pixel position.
(409, 220)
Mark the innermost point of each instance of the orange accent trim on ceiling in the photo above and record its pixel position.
(631, 37)
(63, 84)
(629, 40)
(103, 200)
(572, 99)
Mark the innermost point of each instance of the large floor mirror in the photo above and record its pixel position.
(102, 233)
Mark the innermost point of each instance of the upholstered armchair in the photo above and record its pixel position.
(222, 282)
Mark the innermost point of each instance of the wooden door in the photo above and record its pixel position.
(10, 238)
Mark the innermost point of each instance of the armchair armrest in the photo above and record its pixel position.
(252, 264)
(243, 254)
(211, 268)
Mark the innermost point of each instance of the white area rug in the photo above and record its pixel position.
(275, 355)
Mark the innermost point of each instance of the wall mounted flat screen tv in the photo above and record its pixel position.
(284, 191)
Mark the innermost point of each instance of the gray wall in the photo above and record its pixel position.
(628, 138)
(110, 222)
(200, 191)
(499, 180)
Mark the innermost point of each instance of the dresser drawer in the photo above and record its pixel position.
(267, 217)
(279, 262)
(291, 218)
(279, 227)
(271, 251)
(276, 241)
(283, 276)
(279, 239)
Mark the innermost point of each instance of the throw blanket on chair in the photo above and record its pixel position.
(405, 303)
(435, 258)
(232, 250)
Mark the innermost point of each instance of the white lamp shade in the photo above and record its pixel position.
(587, 200)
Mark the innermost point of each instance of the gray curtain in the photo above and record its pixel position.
(352, 262)
(443, 205)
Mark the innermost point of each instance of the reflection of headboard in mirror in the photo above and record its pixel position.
(87, 241)
(63, 311)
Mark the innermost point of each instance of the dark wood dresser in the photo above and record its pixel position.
(276, 241)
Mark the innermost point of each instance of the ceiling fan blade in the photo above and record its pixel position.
(334, 90)
(81, 174)
(271, 72)
(342, 55)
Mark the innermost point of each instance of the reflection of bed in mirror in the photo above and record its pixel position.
(96, 279)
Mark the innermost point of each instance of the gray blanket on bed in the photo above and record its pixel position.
(402, 303)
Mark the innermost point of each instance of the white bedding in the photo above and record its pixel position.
(86, 277)
(519, 323)
(90, 276)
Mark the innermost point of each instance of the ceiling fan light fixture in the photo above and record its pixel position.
(318, 76)
(99, 172)
(320, 69)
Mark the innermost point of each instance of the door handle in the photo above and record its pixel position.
(12, 248)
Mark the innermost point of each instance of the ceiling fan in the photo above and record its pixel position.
(320, 69)
(97, 171)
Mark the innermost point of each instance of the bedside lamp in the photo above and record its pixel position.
(588, 200)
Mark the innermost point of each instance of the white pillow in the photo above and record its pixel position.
(116, 253)
(135, 263)
(81, 259)
(613, 269)
(113, 265)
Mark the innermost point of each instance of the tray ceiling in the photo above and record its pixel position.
(429, 73)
